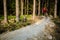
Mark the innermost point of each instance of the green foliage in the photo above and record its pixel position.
(13, 25)
(10, 17)
(22, 17)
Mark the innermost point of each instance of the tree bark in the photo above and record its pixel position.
(5, 11)
(55, 10)
(34, 1)
(17, 10)
(27, 7)
(39, 9)
(21, 7)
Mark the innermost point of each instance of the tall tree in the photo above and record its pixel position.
(5, 11)
(17, 10)
(21, 7)
(27, 7)
(34, 1)
(55, 10)
(39, 8)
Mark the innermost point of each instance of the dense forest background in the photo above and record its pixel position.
(11, 6)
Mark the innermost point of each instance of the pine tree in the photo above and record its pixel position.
(17, 10)
(27, 7)
(5, 11)
(55, 10)
(39, 8)
(34, 1)
(21, 7)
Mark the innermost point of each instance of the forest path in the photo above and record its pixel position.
(31, 32)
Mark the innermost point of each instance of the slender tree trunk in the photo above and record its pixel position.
(17, 10)
(55, 10)
(21, 7)
(5, 11)
(34, 1)
(27, 7)
(39, 9)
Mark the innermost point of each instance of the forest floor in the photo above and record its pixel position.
(57, 29)
(40, 30)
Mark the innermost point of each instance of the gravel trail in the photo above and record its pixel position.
(31, 32)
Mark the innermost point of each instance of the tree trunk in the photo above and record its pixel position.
(5, 11)
(55, 10)
(39, 9)
(17, 10)
(21, 7)
(34, 9)
(27, 7)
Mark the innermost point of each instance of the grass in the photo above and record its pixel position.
(21, 17)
